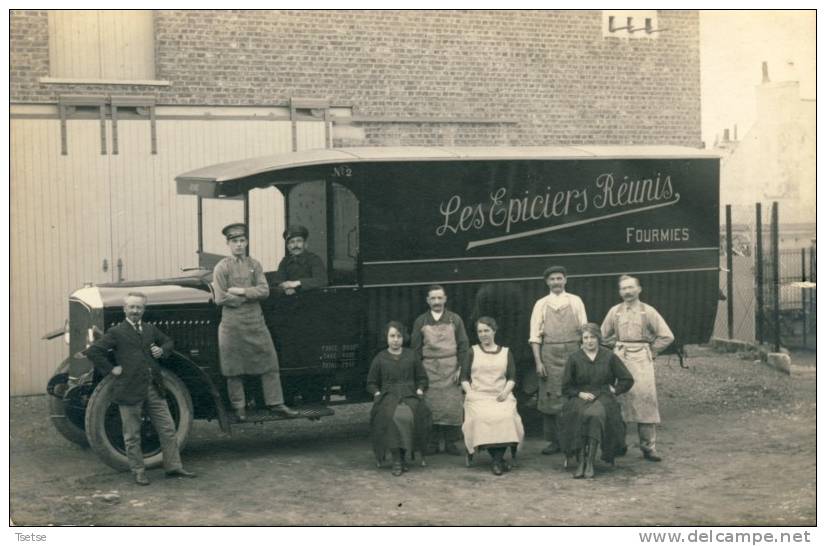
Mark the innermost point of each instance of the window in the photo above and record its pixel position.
(108, 45)
(330, 212)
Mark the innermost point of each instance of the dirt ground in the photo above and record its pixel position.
(738, 440)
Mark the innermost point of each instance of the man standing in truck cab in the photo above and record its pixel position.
(638, 334)
(439, 338)
(138, 384)
(554, 336)
(244, 342)
(300, 269)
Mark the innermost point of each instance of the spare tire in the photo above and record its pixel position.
(105, 432)
(68, 417)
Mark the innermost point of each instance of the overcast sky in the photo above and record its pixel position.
(733, 45)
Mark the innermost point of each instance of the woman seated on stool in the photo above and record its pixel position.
(491, 421)
(591, 415)
(400, 421)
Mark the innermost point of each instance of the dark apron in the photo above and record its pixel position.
(439, 359)
(560, 338)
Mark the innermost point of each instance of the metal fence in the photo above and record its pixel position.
(796, 316)
(768, 288)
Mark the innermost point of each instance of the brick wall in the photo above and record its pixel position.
(551, 72)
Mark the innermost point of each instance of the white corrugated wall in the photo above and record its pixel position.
(72, 212)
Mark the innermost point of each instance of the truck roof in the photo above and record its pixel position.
(203, 181)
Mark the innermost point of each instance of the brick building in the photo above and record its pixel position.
(107, 107)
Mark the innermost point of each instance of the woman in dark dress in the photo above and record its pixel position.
(400, 421)
(591, 415)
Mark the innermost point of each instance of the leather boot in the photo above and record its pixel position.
(580, 468)
(593, 445)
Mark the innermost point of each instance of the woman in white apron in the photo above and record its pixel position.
(491, 420)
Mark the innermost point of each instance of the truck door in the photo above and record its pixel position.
(318, 332)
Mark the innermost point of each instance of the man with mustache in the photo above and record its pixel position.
(300, 269)
(638, 334)
(138, 385)
(439, 339)
(555, 323)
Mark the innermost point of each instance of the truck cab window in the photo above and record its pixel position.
(330, 212)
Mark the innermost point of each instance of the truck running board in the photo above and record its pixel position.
(313, 413)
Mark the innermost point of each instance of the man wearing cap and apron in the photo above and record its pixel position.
(638, 334)
(244, 342)
(300, 269)
(555, 323)
(439, 338)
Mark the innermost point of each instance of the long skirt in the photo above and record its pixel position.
(600, 419)
(490, 423)
(399, 423)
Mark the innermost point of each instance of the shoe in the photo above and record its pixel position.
(282, 410)
(580, 468)
(593, 445)
(652, 456)
(397, 469)
(180, 473)
(141, 479)
(550, 449)
(240, 415)
(496, 468)
(451, 449)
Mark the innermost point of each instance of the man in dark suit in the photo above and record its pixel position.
(300, 269)
(138, 382)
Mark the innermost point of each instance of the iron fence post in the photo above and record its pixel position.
(803, 291)
(758, 258)
(775, 241)
(729, 275)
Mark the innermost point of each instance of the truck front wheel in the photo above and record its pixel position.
(105, 432)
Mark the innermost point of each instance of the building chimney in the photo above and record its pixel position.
(766, 72)
(735, 133)
(725, 135)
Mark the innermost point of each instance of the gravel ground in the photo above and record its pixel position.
(738, 440)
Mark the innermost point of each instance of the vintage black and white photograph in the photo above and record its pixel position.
(423, 267)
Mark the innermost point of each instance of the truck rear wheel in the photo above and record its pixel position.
(105, 432)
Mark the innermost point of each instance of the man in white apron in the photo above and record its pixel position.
(555, 323)
(440, 340)
(638, 334)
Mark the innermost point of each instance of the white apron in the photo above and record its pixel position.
(488, 421)
(639, 405)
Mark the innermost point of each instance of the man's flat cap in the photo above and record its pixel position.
(296, 231)
(234, 230)
(554, 269)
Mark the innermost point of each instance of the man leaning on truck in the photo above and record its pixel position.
(300, 269)
(138, 383)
